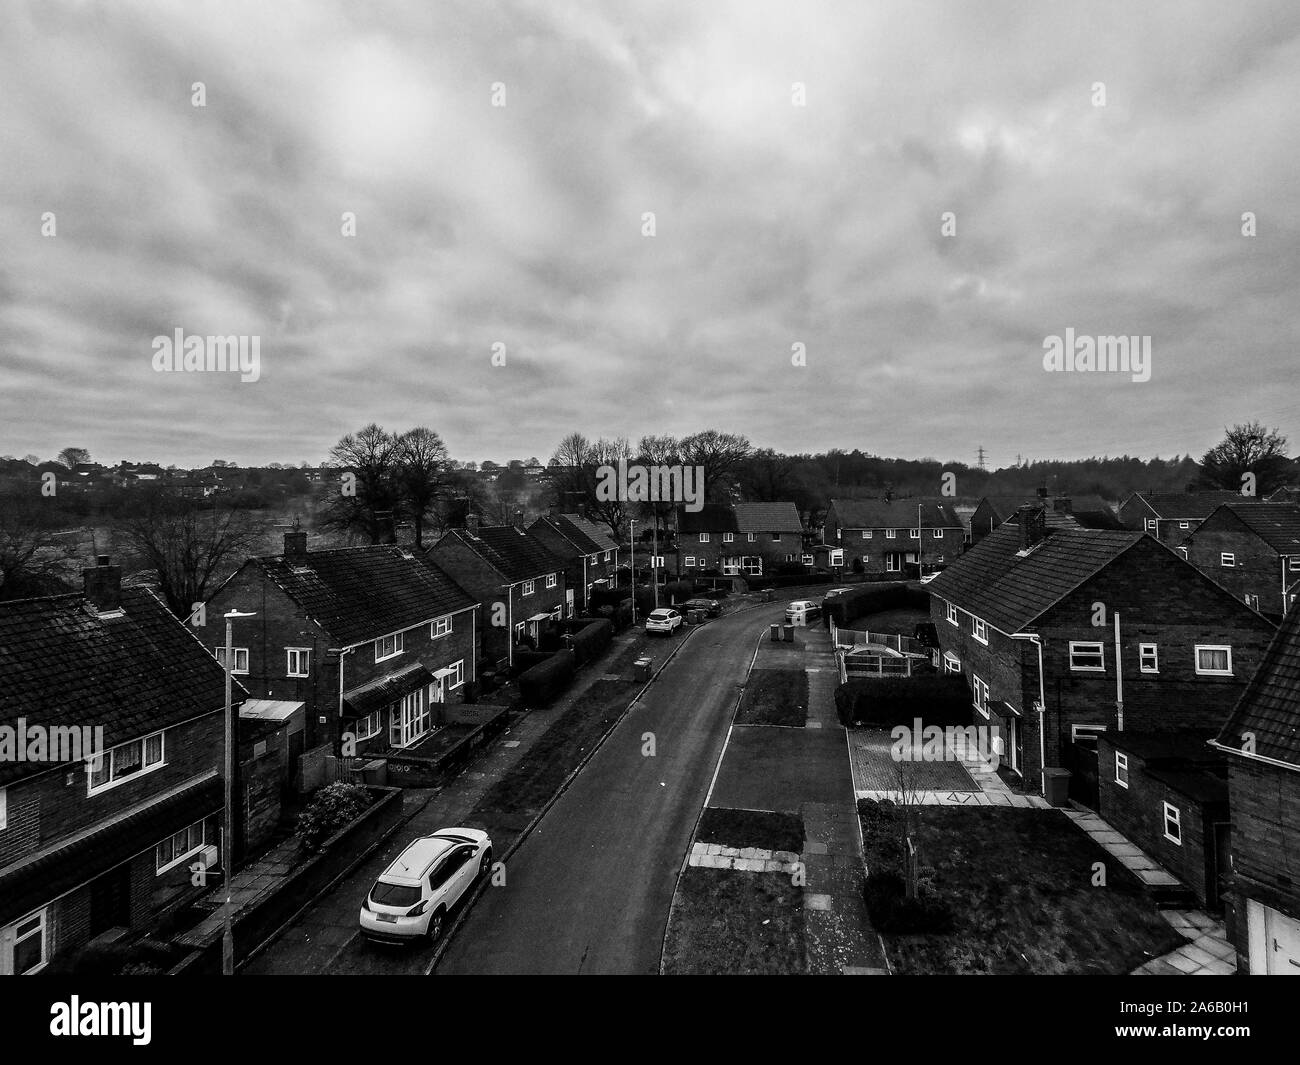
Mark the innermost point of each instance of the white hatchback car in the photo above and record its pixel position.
(412, 897)
(664, 620)
(802, 611)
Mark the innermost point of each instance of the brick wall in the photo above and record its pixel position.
(1138, 813)
(1265, 803)
(1256, 568)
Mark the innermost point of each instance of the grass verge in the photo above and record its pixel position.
(775, 697)
(751, 828)
(728, 922)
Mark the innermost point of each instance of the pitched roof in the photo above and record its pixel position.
(586, 537)
(1004, 510)
(711, 518)
(936, 513)
(1269, 708)
(1277, 524)
(994, 581)
(767, 517)
(508, 549)
(65, 665)
(361, 593)
(1178, 505)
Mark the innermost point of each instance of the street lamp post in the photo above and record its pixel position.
(228, 829)
(631, 543)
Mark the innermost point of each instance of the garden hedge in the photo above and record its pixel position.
(858, 602)
(544, 681)
(939, 699)
(592, 640)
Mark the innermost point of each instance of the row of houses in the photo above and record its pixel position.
(348, 653)
(1164, 695)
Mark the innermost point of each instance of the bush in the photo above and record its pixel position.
(678, 591)
(592, 640)
(759, 584)
(331, 808)
(938, 699)
(544, 681)
(524, 660)
(607, 597)
(790, 569)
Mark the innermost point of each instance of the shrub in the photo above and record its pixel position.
(623, 614)
(678, 591)
(592, 640)
(937, 699)
(544, 681)
(524, 660)
(331, 808)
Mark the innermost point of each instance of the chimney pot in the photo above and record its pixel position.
(102, 585)
(295, 544)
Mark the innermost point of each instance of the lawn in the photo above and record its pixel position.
(751, 828)
(728, 922)
(775, 697)
(1019, 883)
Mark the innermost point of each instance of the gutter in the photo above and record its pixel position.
(1253, 757)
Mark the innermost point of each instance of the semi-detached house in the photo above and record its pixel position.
(739, 540)
(1253, 550)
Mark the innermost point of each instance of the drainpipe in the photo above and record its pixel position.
(1036, 640)
(1119, 681)
(342, 652)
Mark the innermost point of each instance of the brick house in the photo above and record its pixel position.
(520, 584)
(357, 648)
(1185, 644)
(103, 849)
(589, 554)
(1171, 516)
(882, 535)
(1261, 742)
(1063, 512)
(1168, 794)
(1253, 550)
(740, 539)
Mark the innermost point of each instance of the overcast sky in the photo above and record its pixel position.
(775, 224)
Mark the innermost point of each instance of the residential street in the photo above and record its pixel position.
(589, 891)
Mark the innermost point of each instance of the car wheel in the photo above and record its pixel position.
(435, 926)
(485, 863)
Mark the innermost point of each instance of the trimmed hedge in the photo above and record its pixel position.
(592, 640)
(544, 681)
(761, 584)
(858, 602)
(940, 699)
(525, 659)
(677, 591)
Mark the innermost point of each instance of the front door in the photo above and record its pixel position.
(110, 900)
(1220, 864)
(1083, 768)
(1281, 944)
(1015, 743)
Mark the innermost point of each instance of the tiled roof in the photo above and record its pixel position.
(62, 664)
(384, 691)
(1178, 505)
(895, 513)
(361, 593)
(511, 551)
(711, 518)
(994, 582)
(767, 517)
(1277, 524)
(598, 535)
(1004, 510)
(586, 537)
(1269, 708)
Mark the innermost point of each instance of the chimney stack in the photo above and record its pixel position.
(1033, 526)
(102, 585)
(471, 523)
(1063, 505)
(295, 545)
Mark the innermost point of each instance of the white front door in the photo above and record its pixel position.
(1274, 941)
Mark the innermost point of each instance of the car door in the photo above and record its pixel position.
(462, 875)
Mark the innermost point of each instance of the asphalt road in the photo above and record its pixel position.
(589, 890)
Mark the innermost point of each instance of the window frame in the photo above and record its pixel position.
(220, 655)
(891, 534)
(10, 939)
(289, 653)
(728, 538)
(689, 561)
(1121, 765)
(979, 630)
(952, 615)
(980, 692)
(1149, 651)
(378, 720)
(1227, 560)
(399, 646)
(527, 588)
(189, 851)
(551, 580)
(145, 768)
(1077, 649)
(440, 627)
(1196, 653)
(458, 670)
(1177, 821)
(704, 538)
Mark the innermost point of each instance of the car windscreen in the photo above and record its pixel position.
(394, 894)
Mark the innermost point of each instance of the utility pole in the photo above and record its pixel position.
(228, 831)
(631, 543)
(654, 557)
(980, 457)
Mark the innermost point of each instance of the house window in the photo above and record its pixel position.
(1293, 562)
(1227, 559)
(892, 563)
(866, 560)
(952, 613)
(1086, 657)
(1252, 600)
(175, 849)
(936, 534)
(727, 537)
(1214, 660)
(979, 630)
(866, 534)
(125, 760)
(690, 560)
(550, 580)
(241, 659)
(1173, 824)
(891, 534)
(408, 719)
(441, 627)
(1148, 658)
(951, 663)
(1121, 769)
(914, 534)
(388, 646)
(980, 691)
(24, 945)
(519, 632)
(751, 537)
(455, 675)
(1184, 525)
(837, 557)
(609, 555)
(808, 560)
(776, 538)
(704, 538)
(529, 588)
(299, 664)
(366, 727)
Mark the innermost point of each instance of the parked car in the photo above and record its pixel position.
(709, 606)
(837, 591)
(412, 897)
(664, 620)
(802, 611)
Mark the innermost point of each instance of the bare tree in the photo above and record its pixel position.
(720, 455)
(192, 544)
(372, 510)
(1247, 449)
(73, 457)
(33, 560)
(422, 474)
(613, 512)
(909, 823)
